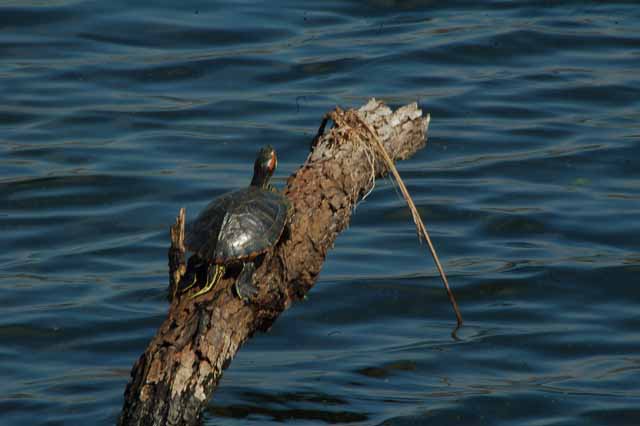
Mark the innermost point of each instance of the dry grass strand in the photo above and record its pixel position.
(421, 229)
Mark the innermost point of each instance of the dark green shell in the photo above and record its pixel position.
(238, 225)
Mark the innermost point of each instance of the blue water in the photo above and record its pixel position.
(116, 114)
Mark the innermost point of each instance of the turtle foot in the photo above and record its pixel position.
(245, 288)
(246, 292)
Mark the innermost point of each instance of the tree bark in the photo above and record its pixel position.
(174, 378)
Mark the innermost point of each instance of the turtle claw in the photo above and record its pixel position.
(246, 292)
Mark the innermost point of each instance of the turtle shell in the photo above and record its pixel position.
(238, 225)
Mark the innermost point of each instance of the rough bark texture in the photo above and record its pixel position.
(174, 378)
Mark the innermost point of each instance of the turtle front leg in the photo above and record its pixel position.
(244, 284)
(214, 273)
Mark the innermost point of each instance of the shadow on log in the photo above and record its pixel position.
(174, 378)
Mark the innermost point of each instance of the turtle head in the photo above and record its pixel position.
(265, 165)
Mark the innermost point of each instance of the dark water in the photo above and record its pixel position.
(116, 114)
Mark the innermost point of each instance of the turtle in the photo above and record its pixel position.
(236, 228)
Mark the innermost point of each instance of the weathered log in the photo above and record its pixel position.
(174, 378)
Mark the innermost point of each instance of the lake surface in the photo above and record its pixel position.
(116, 114)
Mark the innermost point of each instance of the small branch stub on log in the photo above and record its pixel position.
(177, 266)
(174, 378)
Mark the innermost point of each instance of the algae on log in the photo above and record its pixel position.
(174, 378)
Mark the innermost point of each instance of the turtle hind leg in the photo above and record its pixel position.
(214, 273)
(244, 284)
(189, 278)
(187, 281)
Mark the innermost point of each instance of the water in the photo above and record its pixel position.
(114, 115)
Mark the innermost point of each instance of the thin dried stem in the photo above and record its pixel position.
(420, 227)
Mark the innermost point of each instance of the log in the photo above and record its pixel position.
(174, 378)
